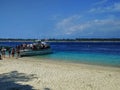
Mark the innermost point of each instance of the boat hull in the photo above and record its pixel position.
(35, 52)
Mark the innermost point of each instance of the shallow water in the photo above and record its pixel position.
(102, 53)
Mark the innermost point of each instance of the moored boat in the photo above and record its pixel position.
(34, 52)
(37, 48)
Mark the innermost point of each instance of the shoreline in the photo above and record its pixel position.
(63, 62)
(45, 74)
(74, 63)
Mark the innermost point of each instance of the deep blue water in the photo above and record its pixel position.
(102, 53)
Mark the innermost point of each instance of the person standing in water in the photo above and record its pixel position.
(0, 56)
(18, 51)
(9, 52)
(13, 52)
(3, 52)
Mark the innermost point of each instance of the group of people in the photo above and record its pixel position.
(11, 52)
(33, 46)
(16, 51)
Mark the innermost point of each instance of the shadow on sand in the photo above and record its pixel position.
(8, 81)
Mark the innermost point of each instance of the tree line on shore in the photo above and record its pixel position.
(53, 39)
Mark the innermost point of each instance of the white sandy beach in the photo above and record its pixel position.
(28, 74)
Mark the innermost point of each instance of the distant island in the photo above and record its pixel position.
(63, 40)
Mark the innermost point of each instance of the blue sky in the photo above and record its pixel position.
(59, 19)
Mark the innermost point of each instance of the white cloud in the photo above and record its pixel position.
(71, 25)
(112, 8)
(68, 24)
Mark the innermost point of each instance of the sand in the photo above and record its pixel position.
(33, 74)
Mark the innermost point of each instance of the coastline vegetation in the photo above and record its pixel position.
(63, 40)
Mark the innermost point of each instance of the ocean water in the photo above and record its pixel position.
(100, 53)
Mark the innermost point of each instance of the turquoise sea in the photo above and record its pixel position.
(100, 53)
(88, 58)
